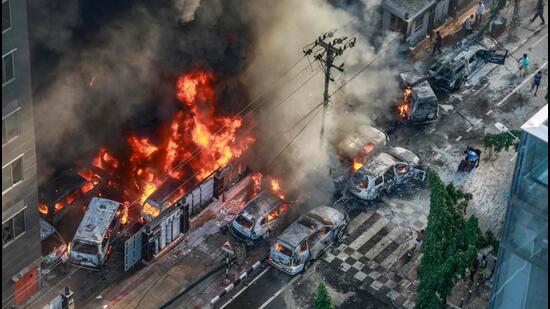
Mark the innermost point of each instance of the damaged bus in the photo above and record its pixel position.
(306, 239)
(93, 240)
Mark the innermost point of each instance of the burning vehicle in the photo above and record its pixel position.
(453, 68)
(58, 195)
(259, 217)
(385, 172)
(306, 239)
(93, 240)
(356, 149)
(420, 104)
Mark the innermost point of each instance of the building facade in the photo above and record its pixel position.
(521, 280)
(20, 218)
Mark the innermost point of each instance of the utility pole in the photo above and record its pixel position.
(326, 55)
(515, 20)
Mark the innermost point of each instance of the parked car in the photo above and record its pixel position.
(53, 246)
(260, 216)
(385, 172)
(460, 63)
(93, 240)
(355, 149)
(307, 238)
(420, 104)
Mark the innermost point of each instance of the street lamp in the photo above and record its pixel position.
(502, 128)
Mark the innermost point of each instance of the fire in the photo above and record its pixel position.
(278, 247)
(148, 189)
(124, 218)
(141, 148)
(58, 206)
(104, 157)
(404, 108)
(43, 208)
(69, 248)
(361, 156)
(357, 165)
(150, 210)
(276, 188)
(257, 183)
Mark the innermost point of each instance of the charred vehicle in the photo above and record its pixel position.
(357, 148)
(459, 64)
(260, 216)
(59, 194)
(386, 172)
(93, 240)
(420, 104)
(306, 239)
(52, 244)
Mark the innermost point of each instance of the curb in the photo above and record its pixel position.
(238, 280)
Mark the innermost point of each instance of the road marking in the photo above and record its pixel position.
(458, 138)
(383, 243)
(469, 129)
(538, 42)
(244, 289)
(489, 112)
(358, 221)
(278, 292)
(375, 228)
(521, 85)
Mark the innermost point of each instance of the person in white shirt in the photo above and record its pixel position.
(480, 11)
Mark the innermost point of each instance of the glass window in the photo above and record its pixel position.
(378, 181)
(12, 174)
(19, 223)
(6, 178)
(10, 127)
(7, 232)
(12, 228)
(6, 15)
(8, 73)
(419, 23)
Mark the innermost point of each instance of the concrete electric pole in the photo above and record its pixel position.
(326, 55)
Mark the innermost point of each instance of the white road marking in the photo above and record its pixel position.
(489, 112)
(278, 292)
(469, 129)
(521, 85)
(459, 138)
(539, 41)
(375, 228)
(244, 289)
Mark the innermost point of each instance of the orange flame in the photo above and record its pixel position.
(43, 208)
(141, 148)
(124, 218)
(276, 188)
(150, 210)
(404, 108)
(257, 183)
(58, 206)
(357, 165)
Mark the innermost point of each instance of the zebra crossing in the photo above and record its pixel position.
(381, 242)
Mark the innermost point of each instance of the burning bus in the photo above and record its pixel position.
(385, 172)
(93, 240)
(258, 217)
(420, 104)
(357, 148)
(306, 239)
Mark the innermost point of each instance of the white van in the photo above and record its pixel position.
(93, 240)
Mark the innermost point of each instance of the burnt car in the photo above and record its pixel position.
(307, 238)
(58, 194)
(259, 217)
(420, 104)
(455, 67)
(385, 172)
(357, 148)
(52, 244)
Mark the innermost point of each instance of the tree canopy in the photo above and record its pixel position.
(322, 300)
(502, 141)
(450, 244)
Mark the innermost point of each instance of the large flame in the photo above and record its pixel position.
(405, 106)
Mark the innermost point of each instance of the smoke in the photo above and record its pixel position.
(281, 29)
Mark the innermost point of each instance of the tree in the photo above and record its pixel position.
(450, 244)
(322, 300)
(502, 141)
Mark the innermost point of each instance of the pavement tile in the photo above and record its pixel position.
(349, 251)
(358, 265)
(409, 304)
(350, 260)
(393, 295)
(342, 247)
(357, 256)
(400, 299)
(383, 279)
(360, 276)
(390, 284)
(342, 256)
(376, 285)
(329, 257)
(345, 266)
(374, 275)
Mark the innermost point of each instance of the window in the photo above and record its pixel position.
(6, 15)
(419, 23)
(12, 174)
(13, 228)
(8, 70)
(378, 181)
(10, 127)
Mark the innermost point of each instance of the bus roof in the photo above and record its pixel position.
(97, 219)
(263, 203)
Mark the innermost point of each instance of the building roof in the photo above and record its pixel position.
(400, 8)
(538, 125)
(97, 219)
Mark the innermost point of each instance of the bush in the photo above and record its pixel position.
(502, 141)
(322, 300)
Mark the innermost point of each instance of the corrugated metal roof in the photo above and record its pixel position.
(413, 7)
(97, 219)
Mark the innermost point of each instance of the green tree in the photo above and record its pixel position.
(322, 300)
(502, 141)
(450, 244)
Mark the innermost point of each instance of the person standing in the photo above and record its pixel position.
(480, 11)
(536, 82)
(469, 26)
(524, 65)
(539, 12)
(438, 43)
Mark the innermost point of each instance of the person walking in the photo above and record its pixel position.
(524, 65)
(536, 82)
(438, 43)
(480, 11)
(469, 26)
(539, 12)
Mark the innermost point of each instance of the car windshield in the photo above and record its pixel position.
(360, 180)
(446, 73)
(84, 248)
(279, 247)
(307, 222)
(244, 222)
